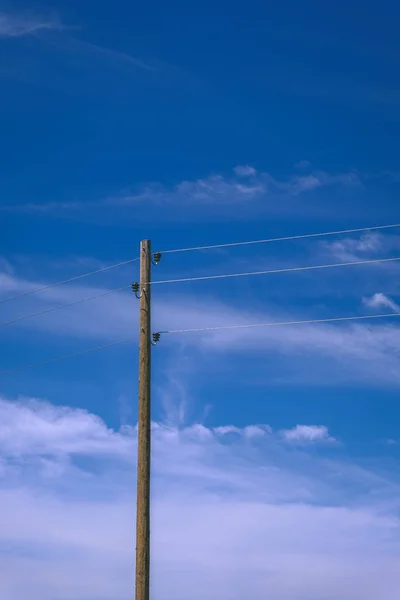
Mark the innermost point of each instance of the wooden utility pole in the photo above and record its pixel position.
(142, 584)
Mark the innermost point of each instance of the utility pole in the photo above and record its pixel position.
(142, 584)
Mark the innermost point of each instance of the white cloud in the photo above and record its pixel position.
(18, 25)
(307, 433)
(214, 192)
(244, 170)
(306, 183)
(369, 245)
(251, 431)
(226, 429)
(31, 426)
(361, 352)
(218, 188)
(380, 300)
(339, 352)
(231, 518)
(352, 249)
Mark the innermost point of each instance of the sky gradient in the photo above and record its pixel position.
(276, 450)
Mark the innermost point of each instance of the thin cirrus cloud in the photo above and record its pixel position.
(380, 300)
(232, 514)
(14, 25)
(246, 183)
(369, 245)
(360, 352)
(244, 170)
(18, 25)
(245, 187)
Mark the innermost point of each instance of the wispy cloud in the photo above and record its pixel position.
(215, 193)
(359, 352)
(339, 352)
(352, 249)
(122, 56)
(318, 522)
(380, 300)
(244, 170)
(21, 24)
(368, 245)
(84, 50)
(303, 165)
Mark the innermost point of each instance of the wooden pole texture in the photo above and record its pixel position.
(142, 582)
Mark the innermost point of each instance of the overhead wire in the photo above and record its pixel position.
(282, 239)
(70, 280)
(206, 247)
(285, 270)
(202, 278)
(280, 323)
(56, 358)
(59, 307)
(204, 329)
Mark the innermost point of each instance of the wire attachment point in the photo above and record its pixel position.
(156, 338)
(135, 288)
(156, 258)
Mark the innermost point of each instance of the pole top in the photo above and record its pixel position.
(145, 245)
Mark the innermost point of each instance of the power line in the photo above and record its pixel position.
(271, 271)
(49, 310)
(210, 247)
(203, 278)
(51, 285)
(51, 360)
(204, 329)
(282, 239)
(282, 323)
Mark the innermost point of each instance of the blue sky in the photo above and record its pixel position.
(276, 451)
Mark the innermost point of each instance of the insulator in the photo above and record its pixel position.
(157, 257)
